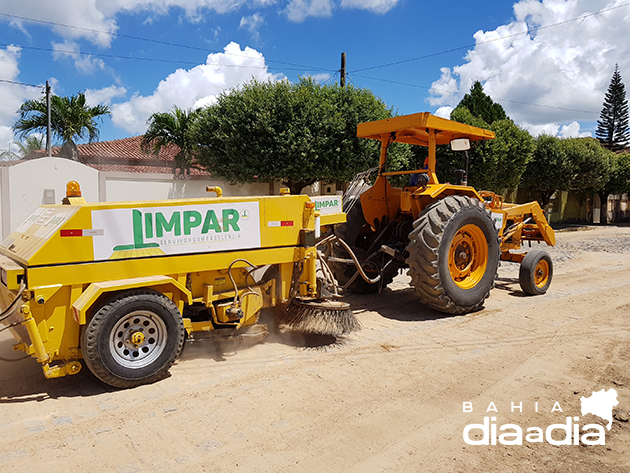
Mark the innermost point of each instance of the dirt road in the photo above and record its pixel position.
(389, 398)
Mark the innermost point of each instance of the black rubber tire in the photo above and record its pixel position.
(139, 307)
(428, 248)
(527, 272)
(353, 232)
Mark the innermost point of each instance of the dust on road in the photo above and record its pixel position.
(389, 398)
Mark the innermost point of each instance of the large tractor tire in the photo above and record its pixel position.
(453, 255)
(359, 236)
(133, 339)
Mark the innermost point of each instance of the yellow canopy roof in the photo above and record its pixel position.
(414, 129)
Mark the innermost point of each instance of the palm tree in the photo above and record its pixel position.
(70, 118)
(31, 143)
(172, 129)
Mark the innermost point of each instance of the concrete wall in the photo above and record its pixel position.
(30, 184)
(119, 187)
(26, 186)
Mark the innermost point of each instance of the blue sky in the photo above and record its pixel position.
(547, 62)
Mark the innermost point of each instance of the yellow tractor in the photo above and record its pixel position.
(449, 236)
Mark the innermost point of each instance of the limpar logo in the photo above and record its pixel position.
(152, 225)
(569, 432)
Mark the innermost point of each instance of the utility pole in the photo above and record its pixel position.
(342, 72)
(48, 145)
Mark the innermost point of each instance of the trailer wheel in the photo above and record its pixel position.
(535, 272)
(133, 339)
(453, 254)
(358, 235)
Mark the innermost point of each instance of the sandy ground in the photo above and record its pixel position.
(387, 399)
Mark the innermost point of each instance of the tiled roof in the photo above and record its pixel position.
(125, 155)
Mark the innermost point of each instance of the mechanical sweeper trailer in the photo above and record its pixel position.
(449, 236)
(119, 286)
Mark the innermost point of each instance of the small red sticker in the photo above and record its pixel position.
(70, 233)
(286, 223)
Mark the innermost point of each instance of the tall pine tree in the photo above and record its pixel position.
(612, 127)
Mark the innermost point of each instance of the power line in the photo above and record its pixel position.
(146, 59)
(155, 41)
(426, 56)
(21, 83)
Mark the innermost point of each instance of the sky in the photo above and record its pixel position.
(547, 62)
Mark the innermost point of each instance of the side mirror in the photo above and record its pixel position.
(460, 144)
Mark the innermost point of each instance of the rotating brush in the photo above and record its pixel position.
(320, 316)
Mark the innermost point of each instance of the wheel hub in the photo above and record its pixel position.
(138, 339)
(468, 256)
(462, 256)
(541, 273)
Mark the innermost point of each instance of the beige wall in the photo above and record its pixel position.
(117, 187)
(26, 186)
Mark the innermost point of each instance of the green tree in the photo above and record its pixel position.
(71, 118)
(172, 129)
(613, 131)
(298, 133)
(31, 143)
(481, 105)
(549, 170)
(592, 162)
(495, 165)
(619, 181)
(593, 166)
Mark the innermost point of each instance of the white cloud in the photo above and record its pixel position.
(564, 69)
(444, 112)
(195, 87)
(550, 129)
(103, 96)
(85, 63)
(95, 20)
(572, 130)
(6, 139)
(321, 77)
(299, 10)
(13, 95)
(377, 6)
(252, 24)
(84, 14)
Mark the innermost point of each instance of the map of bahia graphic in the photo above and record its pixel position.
(600, 404)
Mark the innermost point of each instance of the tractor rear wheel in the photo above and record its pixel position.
(359, 236)
(133, 339)
(535, 272)
(453, 254)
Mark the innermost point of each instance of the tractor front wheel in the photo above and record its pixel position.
(453, 254)
(133, 339)
(535, 272)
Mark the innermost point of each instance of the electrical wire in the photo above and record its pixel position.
(156, 41)
(147, 59)
(21, 83)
